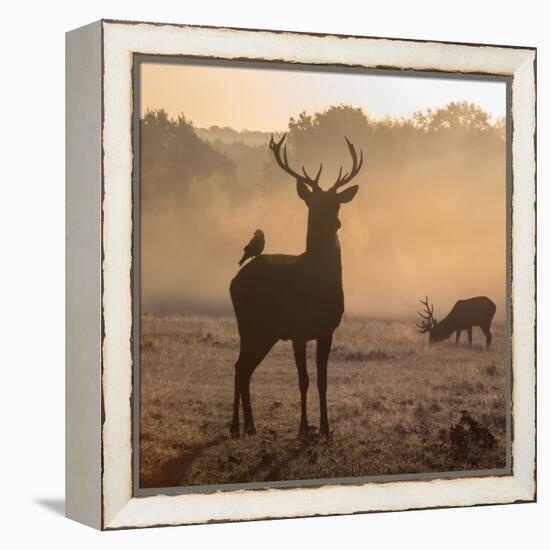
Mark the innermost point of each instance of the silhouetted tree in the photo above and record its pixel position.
(171, 155)
(455, 117)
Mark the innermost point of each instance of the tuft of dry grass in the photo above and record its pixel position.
(393, 403)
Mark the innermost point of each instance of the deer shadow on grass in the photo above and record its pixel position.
(174, 472)
(268, 466)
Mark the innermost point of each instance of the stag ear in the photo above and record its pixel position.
(303, 191)
(348, 194)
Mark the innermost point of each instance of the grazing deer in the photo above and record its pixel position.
(298, 298)
(466, 314)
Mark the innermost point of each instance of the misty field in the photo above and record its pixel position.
(395, 405)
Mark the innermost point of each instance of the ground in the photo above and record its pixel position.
(395, 405)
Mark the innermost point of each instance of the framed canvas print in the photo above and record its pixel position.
(300, 274)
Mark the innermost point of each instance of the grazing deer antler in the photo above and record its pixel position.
(356, 166)
(428, 320)
(275, 146)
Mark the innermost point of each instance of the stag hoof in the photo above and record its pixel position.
(235, 433)
(250, 430)
(306, 432)
(325, 433)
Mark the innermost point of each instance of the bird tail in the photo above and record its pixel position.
(242, 260)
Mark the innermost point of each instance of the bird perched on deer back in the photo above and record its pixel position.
(255, 247)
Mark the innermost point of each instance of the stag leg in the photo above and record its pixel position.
(235, 428)
(323, 352)
(487, 331)
(470, 336)
(458, 336)
(249, 358)
(303, 379)
(247, 404)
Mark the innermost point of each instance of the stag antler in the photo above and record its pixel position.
(356, 166)
(275, 146)
(428, 320)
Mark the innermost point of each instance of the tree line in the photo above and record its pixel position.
(173, 152)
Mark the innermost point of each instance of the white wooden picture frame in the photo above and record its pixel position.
(99, 364)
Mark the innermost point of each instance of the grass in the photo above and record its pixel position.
(394, 404)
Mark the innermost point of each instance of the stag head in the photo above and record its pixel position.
(428, 322)
(324, 205)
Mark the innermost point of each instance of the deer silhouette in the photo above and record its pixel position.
(298, 298)
(466, 314)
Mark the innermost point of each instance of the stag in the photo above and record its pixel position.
(298, 298)
(466, 314)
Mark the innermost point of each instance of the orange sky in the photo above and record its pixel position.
(260, 99)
